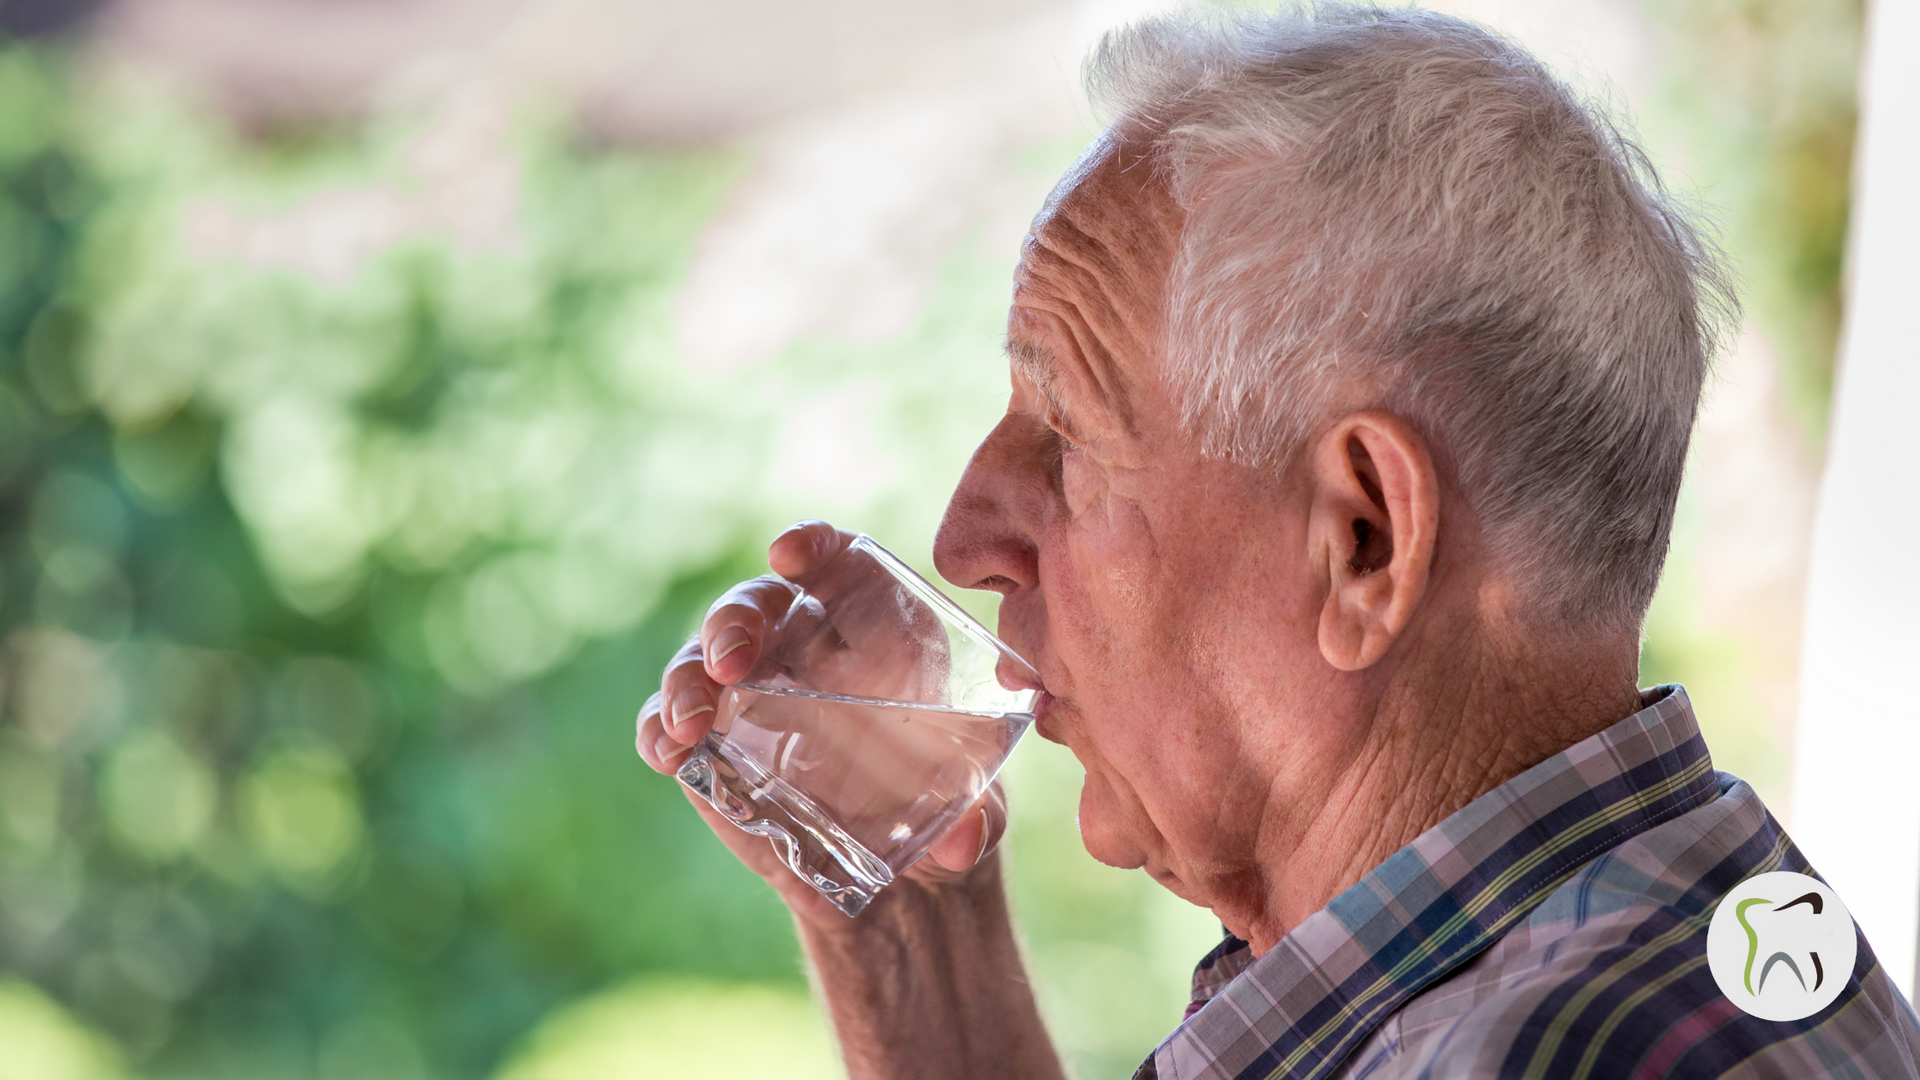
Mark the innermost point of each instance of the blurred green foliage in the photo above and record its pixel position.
(309, 732)
(1755, 111)
(331, 589)
(1758, 105)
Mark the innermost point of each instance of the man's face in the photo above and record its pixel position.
(1162, 595)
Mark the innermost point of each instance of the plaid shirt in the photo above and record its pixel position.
(1554, 927)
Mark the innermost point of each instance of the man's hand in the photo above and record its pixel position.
(928, 981)
(729, 643)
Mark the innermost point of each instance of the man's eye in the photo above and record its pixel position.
(1053, 451)
(1059, 434)
(1058, 444)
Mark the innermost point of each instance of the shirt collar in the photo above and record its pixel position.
(1297, 1011)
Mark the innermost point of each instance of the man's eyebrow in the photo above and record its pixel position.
(1039, 365)
(1036, 362)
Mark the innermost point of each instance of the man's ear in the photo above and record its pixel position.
(1375, 517)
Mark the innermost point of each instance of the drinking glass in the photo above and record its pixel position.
(876, 716)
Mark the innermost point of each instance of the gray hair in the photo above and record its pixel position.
(1404, 201)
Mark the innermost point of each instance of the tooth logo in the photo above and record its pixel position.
(1781, 946)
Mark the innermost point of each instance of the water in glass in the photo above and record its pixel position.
(884, 779)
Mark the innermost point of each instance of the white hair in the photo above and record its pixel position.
(1406, 202)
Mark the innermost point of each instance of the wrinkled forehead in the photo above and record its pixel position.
(1089, 295)
(1113, 183)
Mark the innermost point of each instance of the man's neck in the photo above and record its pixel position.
(1435, 741)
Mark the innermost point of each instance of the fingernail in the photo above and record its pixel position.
(727, 642)
(666, 748)
(986, 829)
(690, 703)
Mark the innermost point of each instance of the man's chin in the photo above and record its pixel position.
(1105, 842)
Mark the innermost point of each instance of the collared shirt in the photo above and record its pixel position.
(1555, 927)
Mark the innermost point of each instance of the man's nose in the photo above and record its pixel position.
(986, 537)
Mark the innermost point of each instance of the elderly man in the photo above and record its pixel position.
(1353, 373)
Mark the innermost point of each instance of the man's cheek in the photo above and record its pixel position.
(1117, 561)
(1078, 624)
(1082, 486)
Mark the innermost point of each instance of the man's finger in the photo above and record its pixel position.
(688, 697)
(805, 548)
(977, 832)
(661, 751)
(735, 629)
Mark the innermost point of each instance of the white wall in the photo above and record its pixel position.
(1857, 768)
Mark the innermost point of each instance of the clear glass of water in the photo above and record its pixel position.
(876, 716)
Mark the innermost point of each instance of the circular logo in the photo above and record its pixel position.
(1781, 946)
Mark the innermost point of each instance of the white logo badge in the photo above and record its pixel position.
(1781, 946)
